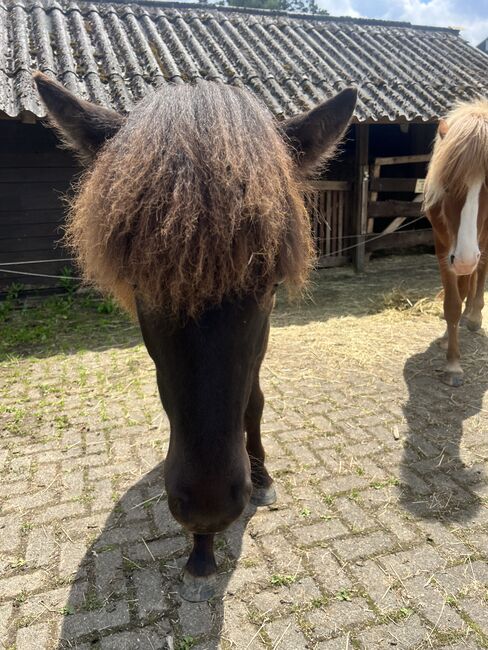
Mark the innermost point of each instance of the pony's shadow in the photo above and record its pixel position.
(125, 593)
(438, 483)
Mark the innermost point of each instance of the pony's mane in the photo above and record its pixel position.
(194, 200)
(461, 156)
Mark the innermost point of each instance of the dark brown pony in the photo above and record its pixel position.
(190, 214)
(456, 203)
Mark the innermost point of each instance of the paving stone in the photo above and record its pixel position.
(149, 590)
(327, 570)
(317, 533)
(147, 638)
(5, 616)
(409, 563)
(113, 615)
(34, 637)
(109, 576)
(41, 547)
(195, 618)
(362, 546)
(378, 584)
(405, 635)
(432, 604)
(286, 634)
(27, 582)
(339, 614)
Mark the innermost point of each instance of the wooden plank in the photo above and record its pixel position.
(324, 262)
(394, 209)
(15, 197)
(373, 195)
(402, 160)
(343, 186)
(361, 194)
(53, 158)
(393, 225)
(402, 239)
(29, 243)
(30, 230)
(394, 184)
(28, 217)
(36, 175)
(50, 253)
(341, 219)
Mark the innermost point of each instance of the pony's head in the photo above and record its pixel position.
(456, 195)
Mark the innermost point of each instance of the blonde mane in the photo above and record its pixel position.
(461, 156)
(194, 200)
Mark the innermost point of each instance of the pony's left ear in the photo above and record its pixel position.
(314, 134)
(442, 127)
(83, 126)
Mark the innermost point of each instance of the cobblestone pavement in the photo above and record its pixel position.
(379, 538)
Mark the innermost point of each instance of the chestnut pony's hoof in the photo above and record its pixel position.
(263, 496)
(473, 326)
(453, 379)
(197, 589)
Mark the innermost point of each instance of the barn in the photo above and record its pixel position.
(113, 53)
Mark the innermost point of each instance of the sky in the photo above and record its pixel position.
(470, 16)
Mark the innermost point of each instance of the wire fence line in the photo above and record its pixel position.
(365, 239)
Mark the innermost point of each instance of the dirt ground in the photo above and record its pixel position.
(379, 537)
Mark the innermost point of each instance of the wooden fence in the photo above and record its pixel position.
(329, 206)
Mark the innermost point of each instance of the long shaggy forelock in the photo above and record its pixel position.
(461, 156)
(194, 200)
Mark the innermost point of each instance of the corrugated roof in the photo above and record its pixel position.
(113, 53)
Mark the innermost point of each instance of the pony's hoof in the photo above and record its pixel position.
(453, 379)
(473, 326)
(198, 589)
(263, 496)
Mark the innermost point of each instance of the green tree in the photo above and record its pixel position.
(301, 6)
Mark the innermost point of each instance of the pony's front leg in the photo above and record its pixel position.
(263, 493)
(200, 572)
(453, 375)
(474, 317)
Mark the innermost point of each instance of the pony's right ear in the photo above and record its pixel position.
(312, 136)
(442, 127)
(83, 126)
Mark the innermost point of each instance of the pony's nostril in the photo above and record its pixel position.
(478, 255)
(451, 259)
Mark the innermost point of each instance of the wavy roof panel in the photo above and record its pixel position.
(114, 53)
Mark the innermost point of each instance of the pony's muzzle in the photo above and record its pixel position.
(464, 264)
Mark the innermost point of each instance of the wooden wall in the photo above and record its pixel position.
(34, 175)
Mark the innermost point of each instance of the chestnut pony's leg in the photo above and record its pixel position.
(199, 575)
(453, 375)
(263, 493)
(474, 317)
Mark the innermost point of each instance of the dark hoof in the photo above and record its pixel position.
(263, 496)
(197, 589)
(473, 326)
(453, 379)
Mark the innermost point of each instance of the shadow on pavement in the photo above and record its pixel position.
(125, 595)
(442, 485)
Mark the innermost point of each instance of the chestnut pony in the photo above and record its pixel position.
(456, 203)
(190, 213)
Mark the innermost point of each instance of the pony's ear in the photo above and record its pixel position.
(442, 127)
(83, 126)
(314, 134)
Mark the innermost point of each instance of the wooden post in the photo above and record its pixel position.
(361, 195)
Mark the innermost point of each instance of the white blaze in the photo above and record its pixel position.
(466, 253)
